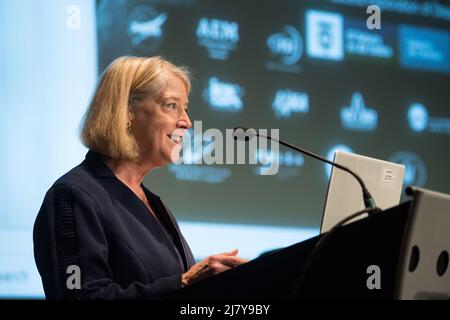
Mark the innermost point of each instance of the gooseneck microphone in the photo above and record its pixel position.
(300, 284)
(245, 134)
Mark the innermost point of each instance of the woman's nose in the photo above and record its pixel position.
(184, 122)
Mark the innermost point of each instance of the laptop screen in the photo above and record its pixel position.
(383, 179)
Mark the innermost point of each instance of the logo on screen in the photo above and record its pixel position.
(287, 102)
(289, 163)
(424, 49)
(287, 48)
(324, 37)
(357, 116)
(224, 96)
(366, 43)
(145, 27)
(418, 117)
(419, 120)
(206, 174)
(415, 170)
(219, 37)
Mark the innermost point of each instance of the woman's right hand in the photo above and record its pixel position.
(212, 265)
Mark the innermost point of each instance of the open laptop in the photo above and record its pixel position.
(383, 179)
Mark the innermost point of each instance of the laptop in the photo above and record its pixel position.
(383, 179)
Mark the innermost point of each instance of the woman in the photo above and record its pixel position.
(99, 222)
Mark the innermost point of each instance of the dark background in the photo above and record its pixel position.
(297, 200)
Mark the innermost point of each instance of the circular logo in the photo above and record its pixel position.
(288, 45)
(415, 170)
(418, 117)
(144, 27)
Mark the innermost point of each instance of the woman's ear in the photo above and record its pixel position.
(129, 120)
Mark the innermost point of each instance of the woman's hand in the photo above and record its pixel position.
(212, 265)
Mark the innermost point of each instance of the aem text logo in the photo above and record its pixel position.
(219, 37)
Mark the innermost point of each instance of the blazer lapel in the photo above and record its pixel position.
(137, 208)
(172, 227)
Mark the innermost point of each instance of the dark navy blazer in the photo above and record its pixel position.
(90, 219)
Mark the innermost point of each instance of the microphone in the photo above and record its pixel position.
(245, 134)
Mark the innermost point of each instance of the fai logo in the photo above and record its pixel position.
(287, 48)
(224, 96)
(357, 116)
(145, 27)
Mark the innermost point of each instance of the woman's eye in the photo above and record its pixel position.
(171, 105)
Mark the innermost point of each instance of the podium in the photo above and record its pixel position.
(407, 246)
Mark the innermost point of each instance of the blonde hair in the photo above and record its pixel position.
(126, 81)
